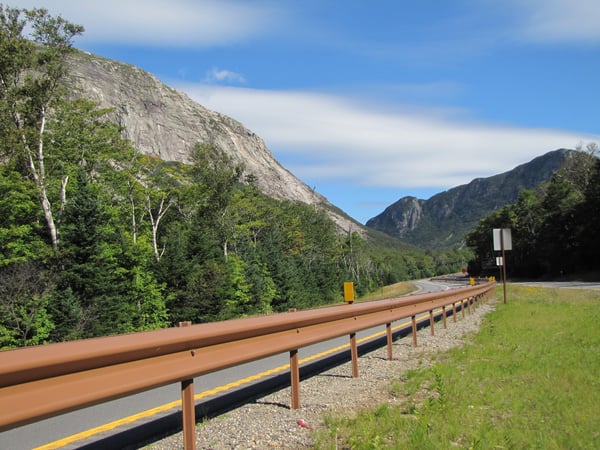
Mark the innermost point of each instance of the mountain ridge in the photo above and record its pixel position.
(443, 219)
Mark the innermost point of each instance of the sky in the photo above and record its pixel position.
(371, 101)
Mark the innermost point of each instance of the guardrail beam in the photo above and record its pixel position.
(48, 380)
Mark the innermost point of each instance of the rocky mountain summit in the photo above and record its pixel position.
(166, 123)
(443, 220)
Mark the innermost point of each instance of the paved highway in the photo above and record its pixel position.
(88, 425)
(562, 284)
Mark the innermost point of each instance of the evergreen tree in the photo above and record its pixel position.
(22, 238)
(588, 216)
(24, 305)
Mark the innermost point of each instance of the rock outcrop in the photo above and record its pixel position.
(166, 123)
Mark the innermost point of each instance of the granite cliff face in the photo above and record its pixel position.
(443, 220)
(166, 123)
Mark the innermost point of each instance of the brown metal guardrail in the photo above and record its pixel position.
(44, 381)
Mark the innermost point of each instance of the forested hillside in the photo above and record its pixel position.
(554, 228)
(97, 238)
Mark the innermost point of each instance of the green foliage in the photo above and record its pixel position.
(30, 91)
(116, 293)
(149, 300)
(21, 237)
(24, 291)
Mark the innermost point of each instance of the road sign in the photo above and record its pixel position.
(502, 239)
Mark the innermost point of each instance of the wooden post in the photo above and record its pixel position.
(431, 322)
(354, 352)
(188, 409)
(295, 379)
(444, 316)
(454, 311)
(388, 332)
(414, 330)
(189, 414)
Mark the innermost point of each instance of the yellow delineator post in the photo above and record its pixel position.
(348, 291)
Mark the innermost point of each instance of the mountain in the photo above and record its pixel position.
(164, 122)
(443, 220)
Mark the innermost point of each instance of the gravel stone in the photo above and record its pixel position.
(269, 423)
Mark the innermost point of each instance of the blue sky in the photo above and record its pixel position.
(370, 101)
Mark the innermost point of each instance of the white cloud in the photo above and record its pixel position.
(165, 23)
(216, 75)
(559, 20)
(344, 140)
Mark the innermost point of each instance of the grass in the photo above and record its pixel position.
(391, 291)
(530, 379)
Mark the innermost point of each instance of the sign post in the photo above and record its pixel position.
(502, 242)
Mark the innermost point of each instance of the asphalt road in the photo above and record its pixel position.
(86, 426)
(562, 284)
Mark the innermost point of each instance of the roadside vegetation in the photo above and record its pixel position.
(393, 290)
(98, 239)
(527, 379)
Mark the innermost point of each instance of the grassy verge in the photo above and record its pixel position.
(391, 291)
(529, 379)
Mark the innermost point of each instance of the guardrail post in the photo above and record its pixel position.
(390, 338)
(188, 409)
(431, 322)
(188, 414)
(454, 311)
(413, 320)
(469, 300)
(444, 316)
(295, 378)
(354, 352)
(462, 307)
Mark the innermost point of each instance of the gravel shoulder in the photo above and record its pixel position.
(269, 423)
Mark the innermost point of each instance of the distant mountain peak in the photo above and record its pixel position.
(443, 220)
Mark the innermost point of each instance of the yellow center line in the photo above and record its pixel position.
(177, 403)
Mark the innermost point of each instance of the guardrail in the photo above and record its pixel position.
(44, 381)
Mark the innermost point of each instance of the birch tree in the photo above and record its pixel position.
(33, 51)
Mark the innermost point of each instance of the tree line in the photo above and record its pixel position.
(554, 227)
(98, 239)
